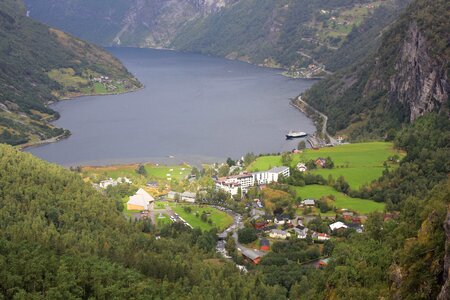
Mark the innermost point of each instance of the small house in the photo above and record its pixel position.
(265, 245)
(279, 234)
(188, 197)
(337, 226)
(302, 167)
(323, 237)
(309, 202)
(321, 162)
(251, 256)
(301, 233)
(152, 184)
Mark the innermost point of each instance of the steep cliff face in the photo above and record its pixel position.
(420, 81)
(406, 78)
(154, 23)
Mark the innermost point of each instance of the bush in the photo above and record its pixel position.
(247, 235)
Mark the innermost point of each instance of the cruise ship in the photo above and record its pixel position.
(295, 134)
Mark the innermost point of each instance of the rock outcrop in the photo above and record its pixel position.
(420, 81)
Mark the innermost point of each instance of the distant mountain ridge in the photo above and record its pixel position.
(39, 65)
(288, 33)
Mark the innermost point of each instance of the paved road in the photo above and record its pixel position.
(237, 224)
(324, 117)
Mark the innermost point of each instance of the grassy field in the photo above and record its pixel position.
(220, 219)
(359, 163)
(155, 172)
(362, 206)
(163, 220)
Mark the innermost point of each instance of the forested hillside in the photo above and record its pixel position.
(407, 77)
(404, 255)
(39, 64)
(289, 33)
(60, 238)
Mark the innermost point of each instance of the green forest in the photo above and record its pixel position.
(29, 53)
(61, 238)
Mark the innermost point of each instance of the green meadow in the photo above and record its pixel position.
(155, 172)
(220, 219)
(359, 163)
(342, 201)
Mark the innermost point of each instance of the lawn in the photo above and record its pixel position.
(362, 206)
(359, 163)
(163, 220)
(220, 219)
(155, 172)
(165, 172)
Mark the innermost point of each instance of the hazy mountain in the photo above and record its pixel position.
(268, 32)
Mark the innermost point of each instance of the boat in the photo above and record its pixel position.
(296, 134)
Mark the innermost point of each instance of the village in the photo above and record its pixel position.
(252, 210)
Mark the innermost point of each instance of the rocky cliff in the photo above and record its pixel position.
(420, 80)
(407, 77)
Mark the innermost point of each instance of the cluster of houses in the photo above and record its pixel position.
(113, 182)
(242, 182)
(141, 201)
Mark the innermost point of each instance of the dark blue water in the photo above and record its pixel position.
(194, 108)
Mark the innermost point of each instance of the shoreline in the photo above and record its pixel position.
(67, 132)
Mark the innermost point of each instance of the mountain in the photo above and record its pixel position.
(290, 33)
(139, 23)
(39, 65)
(62, 239)
(407, 76)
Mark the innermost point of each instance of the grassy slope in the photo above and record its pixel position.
(359, 163)
(362, 206)
(220, 219)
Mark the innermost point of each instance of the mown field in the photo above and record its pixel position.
(154, 172)
(362, 206)
(359, 163)
(220, 219)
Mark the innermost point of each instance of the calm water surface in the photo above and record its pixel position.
(194, 108)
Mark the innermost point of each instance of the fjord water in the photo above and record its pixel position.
(194, 108)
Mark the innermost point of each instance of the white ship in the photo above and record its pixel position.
(295, 134)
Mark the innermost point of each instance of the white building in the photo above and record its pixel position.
(309, 202)
(301, 233)
(231, 184)
(279, 234)
(188, 197)
(141, 201)
(229, 187)
(302, 167)
(337, 225)
(271, 175)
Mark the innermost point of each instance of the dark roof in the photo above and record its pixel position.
(250, 254)
(267, 228)
(264, 242)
